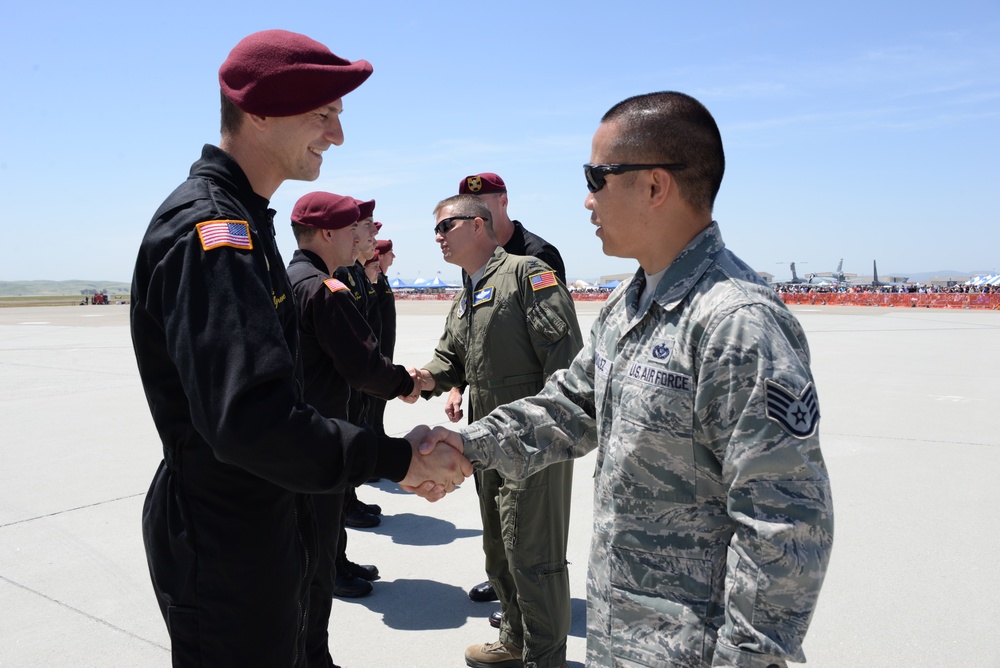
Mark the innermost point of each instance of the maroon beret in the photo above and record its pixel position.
(378, 226)
(373, 259)
(384, 245)
(281, 73)
(325, 211)
(367, 208)
(481, 184)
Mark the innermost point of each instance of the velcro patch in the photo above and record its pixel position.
(798, 415)
(218, 233)
(335, 285)
(546, 279)
(654, 375)
(482, 296)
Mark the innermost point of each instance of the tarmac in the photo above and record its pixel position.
(909, 430)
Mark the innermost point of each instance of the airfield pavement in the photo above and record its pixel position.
(909, 430)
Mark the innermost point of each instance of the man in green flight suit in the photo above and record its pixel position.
(512, 326)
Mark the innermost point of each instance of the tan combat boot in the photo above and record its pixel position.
(494, 655)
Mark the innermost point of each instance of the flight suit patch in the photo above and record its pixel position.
(335, 285)
(546, 279)
(219, 233)
(482, 296)
(461, 306)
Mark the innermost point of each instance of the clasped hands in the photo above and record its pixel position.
(437, 464)
(423, 381)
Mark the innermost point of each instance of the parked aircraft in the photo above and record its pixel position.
(835, 277)
(794, 280)
(810, 279)
(877, 283)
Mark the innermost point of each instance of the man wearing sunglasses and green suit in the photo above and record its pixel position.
(512, 326)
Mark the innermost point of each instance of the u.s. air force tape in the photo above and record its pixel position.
(660, 377)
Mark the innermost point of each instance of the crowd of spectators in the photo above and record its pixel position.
(909, 288)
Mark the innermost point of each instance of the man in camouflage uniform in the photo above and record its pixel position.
(713, 515)
(509, 330)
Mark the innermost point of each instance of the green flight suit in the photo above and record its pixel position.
(504, 337)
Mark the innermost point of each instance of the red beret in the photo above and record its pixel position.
(384, 245)
(325, 211)
(367, 208)
(281, 73)
(378, 226)
(481, 184)
(373, 259)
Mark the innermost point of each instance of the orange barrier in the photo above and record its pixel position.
(892, 300)
(905, 300)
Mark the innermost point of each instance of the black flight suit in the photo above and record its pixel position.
(338, 350)
(385, 304)
(228, 521)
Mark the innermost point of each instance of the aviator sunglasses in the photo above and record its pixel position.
(597, 175)
(446, 224)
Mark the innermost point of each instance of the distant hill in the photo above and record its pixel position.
(61, 288)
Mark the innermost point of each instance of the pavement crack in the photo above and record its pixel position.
(84, 613)
(70, 510)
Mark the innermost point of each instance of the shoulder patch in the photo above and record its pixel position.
(218, 233)
(798, 415)
(335, 285)
(546, 279)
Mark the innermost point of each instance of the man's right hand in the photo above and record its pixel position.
(445, 467)
(453, 406)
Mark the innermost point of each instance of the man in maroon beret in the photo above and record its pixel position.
(341, 356)
(385, 305)
(228, 520)
(516, 240)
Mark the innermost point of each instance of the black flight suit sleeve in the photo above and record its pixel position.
(224, 325)
(344, 335)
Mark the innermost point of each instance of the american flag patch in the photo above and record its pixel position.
(546, 279)
(335, 285)
(216, 233)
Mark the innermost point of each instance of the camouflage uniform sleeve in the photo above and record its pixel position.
(756, 408)
(556, 425)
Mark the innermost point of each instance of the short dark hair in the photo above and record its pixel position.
(232, 117)
(303, 232)
(669, 127)
(468, 205)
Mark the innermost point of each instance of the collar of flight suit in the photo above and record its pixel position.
(499, 254)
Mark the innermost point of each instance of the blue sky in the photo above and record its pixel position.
(853, 130)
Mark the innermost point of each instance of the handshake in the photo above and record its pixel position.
(437, 462)
(423, 381)
(434, 471)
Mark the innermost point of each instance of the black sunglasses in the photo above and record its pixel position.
(597, 175)
(445, 225)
